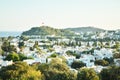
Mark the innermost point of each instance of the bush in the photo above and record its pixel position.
(77, 64)
(111, 73)
(12, 56)
(87, 74)
(19, 71)
(101, 62)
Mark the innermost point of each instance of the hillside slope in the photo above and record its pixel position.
(85, 29)
(46, 30)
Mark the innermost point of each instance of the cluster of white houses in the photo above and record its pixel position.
(88, 59)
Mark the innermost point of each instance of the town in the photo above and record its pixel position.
(96, 50)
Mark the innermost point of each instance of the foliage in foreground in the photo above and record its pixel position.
(87, 74)
(19, 71)
(55, 70)
(111, 73)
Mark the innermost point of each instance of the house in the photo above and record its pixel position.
(102, 53)
(50, 59)
(97, 54)
(107, 53)
(5, 63)
(117, 62)
(29, 61)
(70, 59)
(41, 60)
(98, 69)
(87, 59)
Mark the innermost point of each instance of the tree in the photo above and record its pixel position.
(56, 70)
(7, 47)
(111, 73)
(12, 48)
(80, 44)
(43, 67)
(78, 56)
(10, 38)
(77, 64)
(51, 49)
(1, 52)
(21, 44)
(102, 62)
(64, 60)
(87, 74)
(71, 53)
(107, 44)
(116, 55)
(109, 60)
(19, 71)
(105, 74)
(64, 76)
(22, 56)
(88, 44)
(36, 44)
(12, 56)
(94, 44)
(24, 38)
(54, 55)
(31, 49)
(117, 45)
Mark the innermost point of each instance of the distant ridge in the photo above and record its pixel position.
(46, 30)
(85, 29)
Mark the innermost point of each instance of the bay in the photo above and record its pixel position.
(9, 33)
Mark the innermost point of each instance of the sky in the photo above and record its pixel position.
(21, 15)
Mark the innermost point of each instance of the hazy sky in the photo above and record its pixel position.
(21, 15)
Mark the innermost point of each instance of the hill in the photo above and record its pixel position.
(46, 30)
(85, 29)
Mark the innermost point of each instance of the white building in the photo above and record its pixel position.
(87, 59)
(5, 63)
(103, 53)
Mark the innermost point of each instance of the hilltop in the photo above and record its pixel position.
(85, 29)
(46, 30)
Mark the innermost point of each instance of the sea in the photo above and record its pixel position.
(9, 33)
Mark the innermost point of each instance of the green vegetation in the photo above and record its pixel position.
(24, 38)
(12, 56)
(87, 74)
(117, 45)
(111, 73)
(46, 30)
(85, 29)
(116, 55)
(105, 62)
(22, 56)
(6, 47)
(16, 57)
(36, 45)
(109, 60)
(19, 71)
(54, 55)
(56, 71)
(71, 53)
(101, 62)
(21, 44)
(1, 52)
(77, 64)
